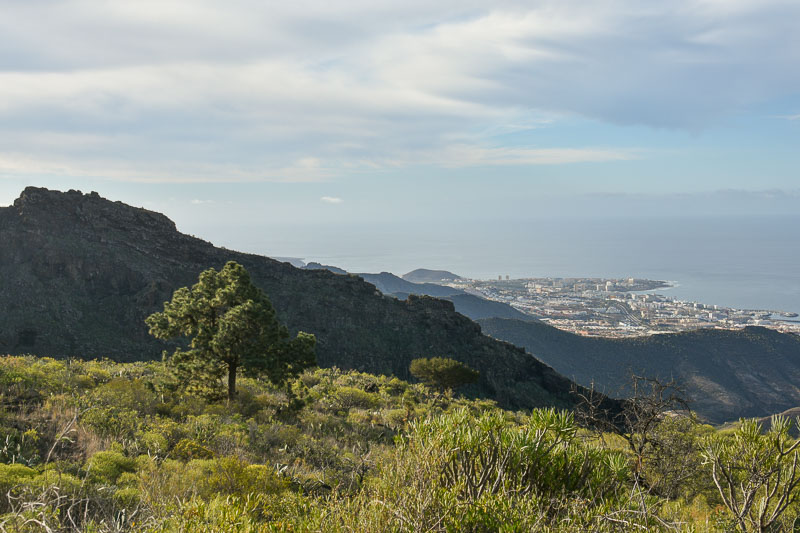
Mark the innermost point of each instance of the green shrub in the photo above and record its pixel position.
(12, 476)
(231, 475)
(107, 466)
(274, 436)
(395, 418)
(231, 514)
(462, 471)
(153, 443)
(394, 387)
(133, 395)
(351, 397)
(116, 423)
(188, 449)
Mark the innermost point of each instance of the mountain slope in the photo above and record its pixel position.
(469, 305)
(388, 283)
(477, 308)
(78, 275)
(423, 275)
(318, 266)
(728, 374)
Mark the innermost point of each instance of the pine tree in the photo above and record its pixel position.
(231, 325)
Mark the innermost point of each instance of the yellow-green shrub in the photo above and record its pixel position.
(107, 466)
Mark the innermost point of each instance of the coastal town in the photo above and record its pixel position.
(624, 307)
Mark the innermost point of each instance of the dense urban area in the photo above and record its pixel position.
(618, 307)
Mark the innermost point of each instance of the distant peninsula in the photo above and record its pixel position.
(423, 275)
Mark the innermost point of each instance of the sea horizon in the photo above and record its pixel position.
(747, 262)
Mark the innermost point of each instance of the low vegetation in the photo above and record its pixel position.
(105, 447)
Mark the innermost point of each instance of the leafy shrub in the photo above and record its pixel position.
(395, 418)
(153, 443)
(231, 514)
(11, 476)
(188, 449)
(351, 397)
(125, 394)
(274, 436)
(465, 472)
(231, 475)
(116, 423)
(394, 387)
(126, 497)
(107, 466)
(756, 473)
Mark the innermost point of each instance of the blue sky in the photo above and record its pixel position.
(245, 113)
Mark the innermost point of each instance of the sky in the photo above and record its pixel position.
(277, 115)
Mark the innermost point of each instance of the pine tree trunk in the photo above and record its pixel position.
(231, 382)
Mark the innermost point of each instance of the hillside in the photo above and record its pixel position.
(728, 374)
(80, 273)
(318, 266)
(135, 453)
(423, 275)
(388, 283)
(469, 305)
(476, 308)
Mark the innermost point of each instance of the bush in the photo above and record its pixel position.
(188, 449)
(12, 476)
(107, 466)
(350, 397)
(443, 373)
(153, 443)
(466, 472)
(231, 475)
(115, 423)
(278, 435)
(133, 395)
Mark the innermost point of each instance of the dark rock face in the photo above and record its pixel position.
(79, 274)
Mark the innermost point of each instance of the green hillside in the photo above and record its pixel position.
(727, 374)
(105, 447)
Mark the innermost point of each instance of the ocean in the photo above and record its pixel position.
(742, 262)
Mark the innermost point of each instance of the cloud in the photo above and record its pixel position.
(173, 90)
(158, 171)
(465, 156)
(331, 200)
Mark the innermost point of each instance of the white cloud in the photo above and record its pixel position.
(172, 171)
(465, 156)
(331, 200)
(173, 90)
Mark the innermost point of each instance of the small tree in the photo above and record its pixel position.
(641, 420)
(232, 325)
(443, 373)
